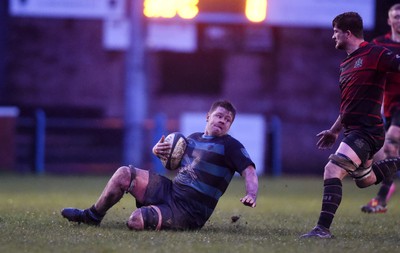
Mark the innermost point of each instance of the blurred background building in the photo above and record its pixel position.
(86, 86)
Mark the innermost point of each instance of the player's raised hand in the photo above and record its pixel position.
(328, 138)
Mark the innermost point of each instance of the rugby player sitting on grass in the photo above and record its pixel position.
(210, 160)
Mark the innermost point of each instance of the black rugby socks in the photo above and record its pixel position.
(330, 201)
(385, 168)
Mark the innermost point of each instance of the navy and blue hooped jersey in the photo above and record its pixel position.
(208, 165)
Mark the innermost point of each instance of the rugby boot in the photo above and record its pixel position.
(318, 232)
(81, 216)
(374, 206)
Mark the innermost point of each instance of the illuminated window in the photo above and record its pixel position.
(222, 6)
(256, 10)
(186, 9)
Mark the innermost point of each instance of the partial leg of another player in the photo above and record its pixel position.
(378, 203)
(390, 150)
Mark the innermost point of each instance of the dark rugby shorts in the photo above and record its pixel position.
(364, 145)
(162, 193)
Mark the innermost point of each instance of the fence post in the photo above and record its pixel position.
(276, 152)
(40, 141)
(158, 131)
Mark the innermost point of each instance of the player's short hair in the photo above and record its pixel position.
(394, 7)
(224, 104)
(350, 21)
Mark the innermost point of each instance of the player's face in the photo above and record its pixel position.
(340, 37)
(218, 122)
(394, 21)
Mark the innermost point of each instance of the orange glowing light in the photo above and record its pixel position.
(256, 10)
(186, 9)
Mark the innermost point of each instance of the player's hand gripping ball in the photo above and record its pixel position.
(178, 147)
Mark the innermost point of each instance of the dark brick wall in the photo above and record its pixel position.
(62, 62)
(54, 62)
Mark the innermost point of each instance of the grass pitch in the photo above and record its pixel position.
(287, 207)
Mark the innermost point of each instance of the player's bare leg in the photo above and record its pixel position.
(125, 180)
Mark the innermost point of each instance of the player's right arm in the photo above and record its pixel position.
(162, 149)
(251, 181)
(328, 137)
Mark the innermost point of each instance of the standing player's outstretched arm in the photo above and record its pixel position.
(328, 137)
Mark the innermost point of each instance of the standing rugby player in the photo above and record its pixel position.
(361, 82)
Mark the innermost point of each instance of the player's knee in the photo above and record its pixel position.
(332, 171)
(391, 151)
(346, 165)
(343, 161)
(364, 177)
(135, 221)
(121, 173)
(147, 217)
(364, 183)
(329, 168)
(391, 146)
(124, 178)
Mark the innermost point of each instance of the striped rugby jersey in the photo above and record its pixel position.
(362, 79)
(392, 86)
(208, 165)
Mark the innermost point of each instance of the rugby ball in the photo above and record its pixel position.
(178, 147)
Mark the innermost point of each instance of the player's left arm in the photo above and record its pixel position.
(251, 181)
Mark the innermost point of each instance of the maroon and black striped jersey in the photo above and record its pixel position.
(392, 86)
(362, 79)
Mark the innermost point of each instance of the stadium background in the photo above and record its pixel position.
(61, 67)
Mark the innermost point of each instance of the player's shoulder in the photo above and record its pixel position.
(366, 49)
(195, 135)
(227, 139)
(377, 48)
(387, 42)
(230, 140)
(382, 40)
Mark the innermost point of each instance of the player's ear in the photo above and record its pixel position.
(207, 117)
